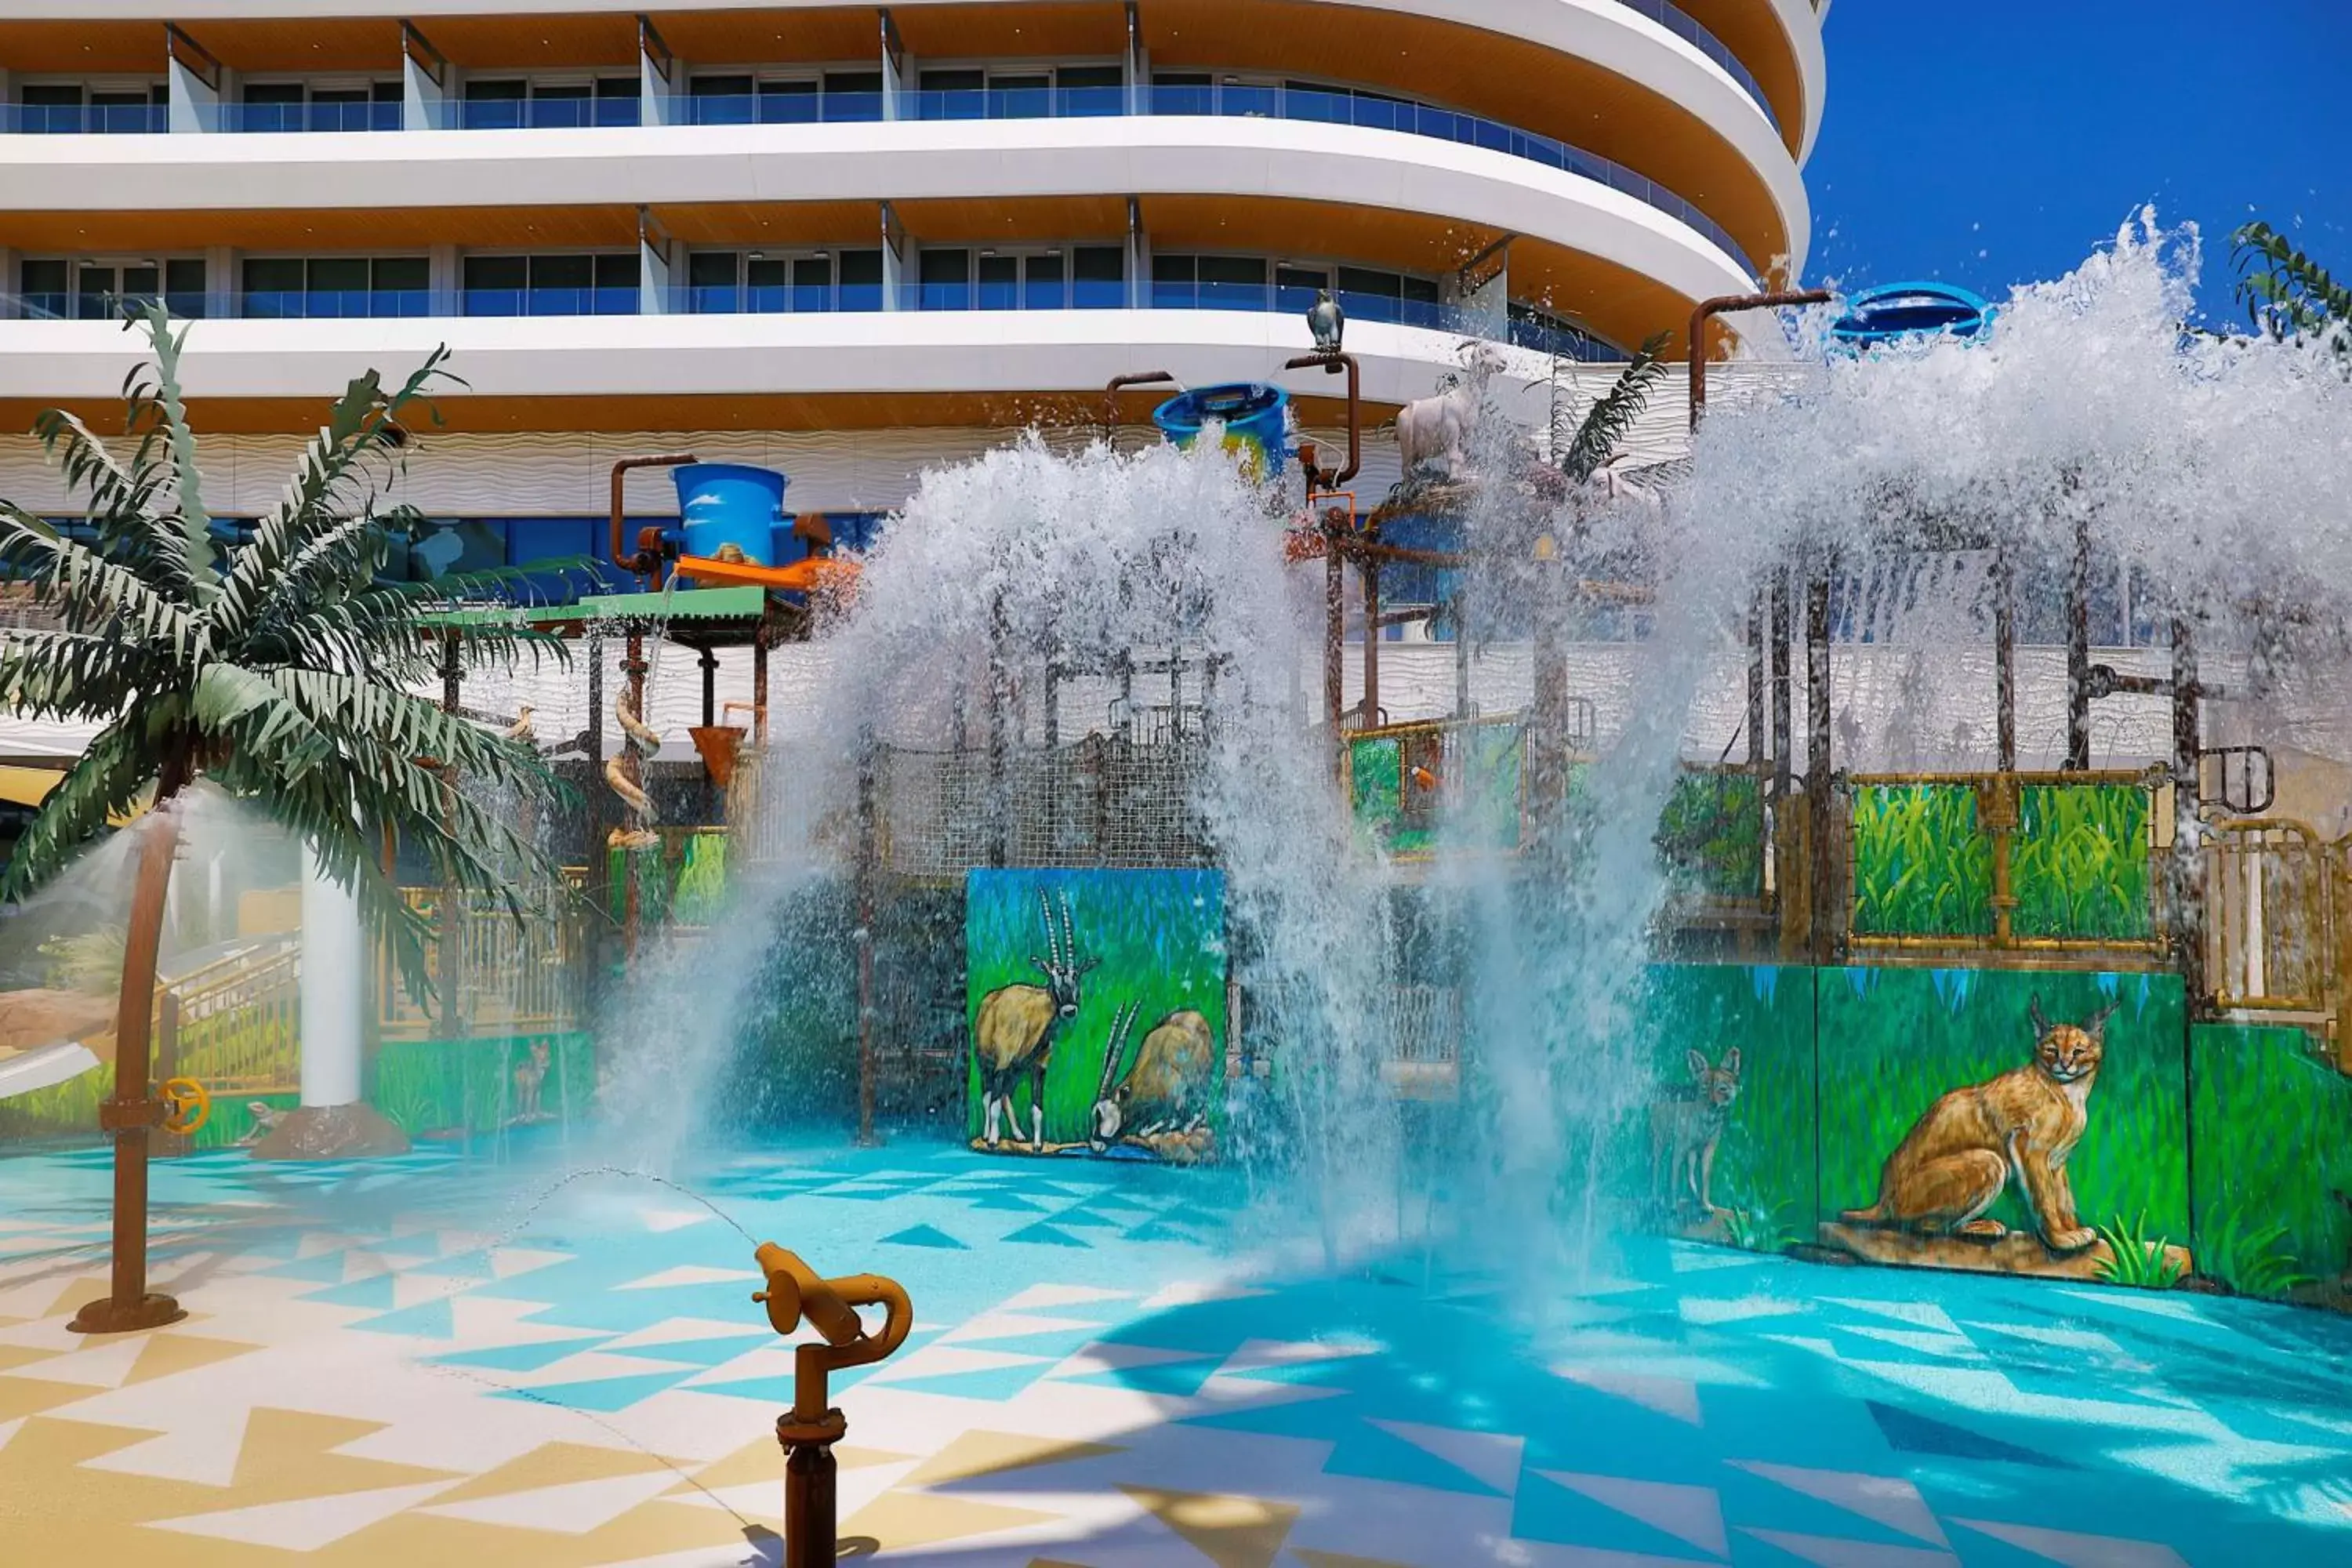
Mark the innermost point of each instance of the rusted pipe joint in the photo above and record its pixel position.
(128, 1115)
(826, 1430)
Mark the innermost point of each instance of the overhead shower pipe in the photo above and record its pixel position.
(1117, 384)
(1724, 304)
(1332, 364)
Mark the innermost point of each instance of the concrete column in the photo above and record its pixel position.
(444, 276)
(1136, 66)
(653, 273)
(333, 1122)
(893, 260)
(222, 283)
(194, 103)
(421, 97)
(333, 973)
(1139, 257)
(894, 68)
(657, 85)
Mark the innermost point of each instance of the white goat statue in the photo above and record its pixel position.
(1440, 427)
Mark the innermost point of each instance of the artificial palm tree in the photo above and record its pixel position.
(2286, 294)
(280, 671)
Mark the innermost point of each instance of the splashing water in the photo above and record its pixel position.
(2201, 469)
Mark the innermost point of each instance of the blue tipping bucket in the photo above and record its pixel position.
(1255, 418)
(721, 504)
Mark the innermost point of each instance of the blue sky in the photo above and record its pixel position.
(1989, 142)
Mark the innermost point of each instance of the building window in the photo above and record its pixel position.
(602, 284)
(102, 290)
(72, 109)
(315, 106)
(804, 98)
(1532, 327)
(723, 282)
(297, 287)
(1184, 282)
(1019, 93)
(943, 279)
(861, 279)
(1055, 278)
(1181, 282)
(514, 103)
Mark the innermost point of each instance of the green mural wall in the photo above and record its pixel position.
(2272, 1124)
(428, 1086)
(1157, 940)
(1763, 1178)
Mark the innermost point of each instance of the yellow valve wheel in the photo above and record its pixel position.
(191, 1103)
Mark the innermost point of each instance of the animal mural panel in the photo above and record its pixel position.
(1097, 1004)
(2005, 1121)
(1723, 1146)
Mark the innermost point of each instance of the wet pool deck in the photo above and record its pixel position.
(383, 1368)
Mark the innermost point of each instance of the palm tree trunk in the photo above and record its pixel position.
(133, 1112)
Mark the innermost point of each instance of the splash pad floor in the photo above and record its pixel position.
(385, 1366)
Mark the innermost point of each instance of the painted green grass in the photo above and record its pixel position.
(685, 881)
(1491, 756)
(2251, 1256)
(2079, 864)
(1495, 753)
(1893, 1040)
(438, 1086)
(1375, 769)
(1764, 1164)
(1921, 867)
(2274, 1139)
(2137, 1258)
(1160, 939)
(1711, 834)
(68, 1108)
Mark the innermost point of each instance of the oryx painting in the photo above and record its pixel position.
(1096, 1003)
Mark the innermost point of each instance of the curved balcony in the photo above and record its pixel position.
(868, 371)
(650, 166)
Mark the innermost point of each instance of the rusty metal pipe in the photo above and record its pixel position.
(1116, 385)
(629, 559)
(1721, 305)
(1335, 362)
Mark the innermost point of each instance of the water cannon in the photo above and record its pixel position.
(796, 1294)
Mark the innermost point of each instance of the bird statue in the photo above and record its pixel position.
(1327, 322)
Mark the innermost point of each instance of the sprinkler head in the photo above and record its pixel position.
(782, 1296)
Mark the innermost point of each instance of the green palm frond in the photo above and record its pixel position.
(283, 675)
(2288, 294)
(1611, 419)
(362, 428)
(72, 676)
(93, 591)
(163, 393)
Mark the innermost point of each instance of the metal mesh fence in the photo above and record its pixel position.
(1102, 800)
